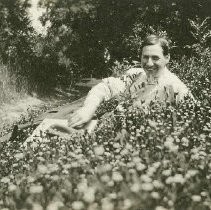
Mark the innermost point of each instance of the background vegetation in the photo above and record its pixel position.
(155, 160)
(87, 38)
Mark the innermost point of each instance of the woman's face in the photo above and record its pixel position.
(153, 60)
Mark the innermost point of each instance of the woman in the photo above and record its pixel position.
(153, 81)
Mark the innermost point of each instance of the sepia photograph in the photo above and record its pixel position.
(105, 104)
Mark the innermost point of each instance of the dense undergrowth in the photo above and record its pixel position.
(8, 86)
(155, 158)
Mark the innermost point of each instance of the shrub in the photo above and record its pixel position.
(137, 158)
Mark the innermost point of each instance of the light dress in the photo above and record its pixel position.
(167, 87)
(146, 89)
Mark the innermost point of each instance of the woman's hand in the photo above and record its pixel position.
(81, 117)
(55, 128)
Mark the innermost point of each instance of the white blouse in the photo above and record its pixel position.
(167, 87)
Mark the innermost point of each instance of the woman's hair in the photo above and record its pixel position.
(153, 40)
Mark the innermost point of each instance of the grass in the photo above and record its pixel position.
(8, 87)
(134, 160)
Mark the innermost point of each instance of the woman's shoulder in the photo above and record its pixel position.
(178, 87)
(173, 80)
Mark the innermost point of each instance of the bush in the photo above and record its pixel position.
(137, 158)
(154, 158)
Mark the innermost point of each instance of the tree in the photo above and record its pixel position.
(16, 31)
(82, 31)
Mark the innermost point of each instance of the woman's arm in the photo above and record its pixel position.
(108, 88)
(105, 90)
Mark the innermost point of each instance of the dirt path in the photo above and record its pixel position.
(10, 113)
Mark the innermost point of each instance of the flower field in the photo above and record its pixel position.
(157, 158)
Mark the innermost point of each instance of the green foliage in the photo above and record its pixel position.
(15, 30)
(8, 88)
(137, 158)
(17, 43)
(82, 34)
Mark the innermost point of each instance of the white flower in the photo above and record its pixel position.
(166, 172)
(130, 164)
(140, 166)
(74, 164)
(196, 198)
(55, 177)
(120, 108)
(169, 144)
(160, 208)
(185, 141)
(15, 165)
(37, 206)
(128, 146)
(107, 167)
(202, 153)
(178, 178)
(42, 169)
(124, 152)
(41, 159)
(137, 160)
(191, 173)
(195, 150)
(145, 178)
(170, 203)
(82, 186)
(66, 167)
(151, 170)
(36, 189)
(77, 205)
(169, 180)
(56, 205)
(135, 187)
(165, 163)
(152, 123)
(110, 183)
(99, 150)
(156, 164)
(12, 187)
(204, 194)
(5, 180)
(132, 171)
(112, 195)
(30, 179)
(169, 139)
(34, 145)
(157, 184)
(155, 195)
(207, 203)
(117, 177)
(147, 186)
(105, 178)
(116, 145)
(107, 204)
(52, 167)
(195, 156)
(89, 195)
(127, 203)
(19, 156)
